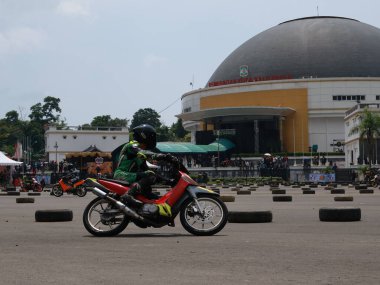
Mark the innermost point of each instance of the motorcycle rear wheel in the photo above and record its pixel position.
(102, 219)
(57, 190)
(215, 215)
(81, 191)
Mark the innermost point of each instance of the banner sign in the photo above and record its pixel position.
(320, 177)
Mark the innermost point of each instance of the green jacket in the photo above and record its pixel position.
(132, 162)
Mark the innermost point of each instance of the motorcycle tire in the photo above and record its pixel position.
(81, 191)
(57, 191)
(37, 188)
(211, 223)
(102, 226)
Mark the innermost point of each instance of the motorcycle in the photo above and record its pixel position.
(32, 184)
(200, 210)
(71, 184)
(375, 181)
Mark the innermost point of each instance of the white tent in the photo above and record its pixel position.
(4, 160)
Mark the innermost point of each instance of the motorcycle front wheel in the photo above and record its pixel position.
(206, 221)
(101, 218)
(81, 191)
(57, 190)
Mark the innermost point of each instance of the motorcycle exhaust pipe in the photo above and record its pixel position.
(128, 211)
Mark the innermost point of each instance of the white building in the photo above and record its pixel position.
(58, 142)
(288, 88)
(355, 148)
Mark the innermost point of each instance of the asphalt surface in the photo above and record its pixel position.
(295, 248)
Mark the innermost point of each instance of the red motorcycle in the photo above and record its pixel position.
(200, 210)
(71, 184)
(30, 184)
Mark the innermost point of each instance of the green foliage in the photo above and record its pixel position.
(327, 170)
(30, 133)
(164, 134)
(46, 113)
(362, 169)
(146, 116)
(107, 121)
(368, 129)
(178, 130)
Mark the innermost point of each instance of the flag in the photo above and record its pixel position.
(18, 151)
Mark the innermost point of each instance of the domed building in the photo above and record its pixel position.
(288, 88)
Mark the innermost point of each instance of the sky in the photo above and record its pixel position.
(114, 57)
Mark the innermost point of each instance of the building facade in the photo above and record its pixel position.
(59, 142)
(288, 88)
(356, 148)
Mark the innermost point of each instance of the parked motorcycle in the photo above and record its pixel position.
(200, 210)
(71, 184)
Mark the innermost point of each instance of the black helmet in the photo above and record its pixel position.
(145, 134)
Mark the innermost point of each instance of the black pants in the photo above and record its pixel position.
(143, 186)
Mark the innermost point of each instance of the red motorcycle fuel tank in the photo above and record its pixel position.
(114, 187)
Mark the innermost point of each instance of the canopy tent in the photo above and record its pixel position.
(221, 145)
(91, 151)
(173, 147)
(5, 161)
(88, 154)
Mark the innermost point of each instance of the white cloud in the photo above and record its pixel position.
(152, 59)
(73, 8)
(20, 40)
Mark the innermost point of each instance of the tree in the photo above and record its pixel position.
(40, 116)
(47, 113)
(178, 130)
(368, 129)
(107, 121)
(164, 134)
(146, 116)
(11, 131)
(12, 117)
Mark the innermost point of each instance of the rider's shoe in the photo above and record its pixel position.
(130, 200)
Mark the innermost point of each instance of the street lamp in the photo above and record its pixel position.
(56, 155)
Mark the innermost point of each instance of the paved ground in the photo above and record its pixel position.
(296, 248)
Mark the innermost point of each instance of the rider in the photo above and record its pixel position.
(132, 163)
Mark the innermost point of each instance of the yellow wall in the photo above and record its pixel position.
(292, 98)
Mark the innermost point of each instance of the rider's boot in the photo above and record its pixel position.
(129, 196)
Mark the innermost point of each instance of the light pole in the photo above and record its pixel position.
(56, 155)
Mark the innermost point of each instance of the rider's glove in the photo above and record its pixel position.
(141, 155)
(171, 158)
(140, 175)
(161, 156)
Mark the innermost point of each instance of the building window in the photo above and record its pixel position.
(377, 97)
(351, 97)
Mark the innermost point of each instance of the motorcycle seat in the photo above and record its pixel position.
(121, 182)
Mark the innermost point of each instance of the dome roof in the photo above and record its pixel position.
(319, 47)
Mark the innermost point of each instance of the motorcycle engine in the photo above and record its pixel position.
(148, 210)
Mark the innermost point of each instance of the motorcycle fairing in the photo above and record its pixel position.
(93, 183)
(192, 191)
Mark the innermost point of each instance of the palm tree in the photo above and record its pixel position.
(369, 129)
